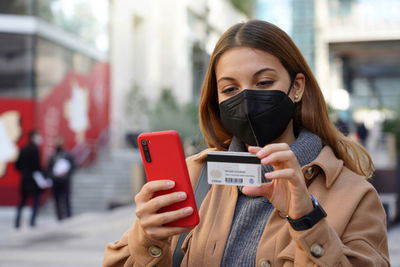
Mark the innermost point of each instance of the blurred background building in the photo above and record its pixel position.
(165, 51)
(100, 72)
(54, 77)
(359, 41)
(353, 47)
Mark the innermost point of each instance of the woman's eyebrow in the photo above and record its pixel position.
(225, 78)
(263, 70)
(255, 74)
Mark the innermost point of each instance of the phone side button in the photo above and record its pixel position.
(155, 251)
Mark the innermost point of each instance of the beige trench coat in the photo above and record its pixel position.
(353, 234)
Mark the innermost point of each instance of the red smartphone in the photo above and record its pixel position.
(163, 159)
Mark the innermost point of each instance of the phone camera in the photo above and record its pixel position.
(146, 151)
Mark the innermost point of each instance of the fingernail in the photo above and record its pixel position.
(182, 195)
(260, 153)
(188, 210)
(170, 184)
(265, 161)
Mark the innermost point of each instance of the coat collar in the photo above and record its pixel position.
(327, 163)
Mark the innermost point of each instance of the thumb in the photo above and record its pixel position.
(253, 149)
(264, 190)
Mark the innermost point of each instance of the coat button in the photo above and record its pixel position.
(155, 251)
(309, 172)
(317, 250)
(264, 263)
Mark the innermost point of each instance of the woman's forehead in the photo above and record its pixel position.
(244, 59)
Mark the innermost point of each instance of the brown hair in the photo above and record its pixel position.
(311, 112)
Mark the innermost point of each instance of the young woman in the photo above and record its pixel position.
(315, 207)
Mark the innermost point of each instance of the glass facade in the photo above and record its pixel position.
(54, 77)
(364, 14)
(376, 93)
(16, 65)
(17, 7)
(362, 35)
(295, 17)
(86, 19)
(200, 58)
(370, 73)
(199, 68)
(303, 29)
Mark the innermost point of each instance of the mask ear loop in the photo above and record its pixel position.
(293, 78)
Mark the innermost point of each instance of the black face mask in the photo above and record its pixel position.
(257, 117)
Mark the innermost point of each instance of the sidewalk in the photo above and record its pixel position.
(81, 240)
(394, 245)
(77, 242)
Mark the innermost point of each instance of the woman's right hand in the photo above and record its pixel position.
(147, 207)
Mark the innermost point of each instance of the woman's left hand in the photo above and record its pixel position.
(287, 191)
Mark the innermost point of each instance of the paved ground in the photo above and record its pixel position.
(394, 245)
(77, 242)
(81, 240)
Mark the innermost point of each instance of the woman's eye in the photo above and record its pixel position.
(228, 90)
(264, 83)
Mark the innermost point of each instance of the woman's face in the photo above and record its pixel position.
(248, 68)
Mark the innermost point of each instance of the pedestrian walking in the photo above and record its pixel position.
(60, 170)
(28, 163)
(315, 206)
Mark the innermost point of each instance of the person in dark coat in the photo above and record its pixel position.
(60, 169)
(27, 163)
(362, 132)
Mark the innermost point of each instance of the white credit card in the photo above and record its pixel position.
(233, 168)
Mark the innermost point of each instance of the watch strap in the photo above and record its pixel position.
(309, 220)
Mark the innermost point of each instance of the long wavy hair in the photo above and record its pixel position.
(310, 113)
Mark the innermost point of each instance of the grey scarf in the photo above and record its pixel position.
(252, 213)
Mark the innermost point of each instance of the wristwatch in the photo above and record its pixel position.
(309, 220)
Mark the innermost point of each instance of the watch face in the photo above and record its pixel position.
(309, 220)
